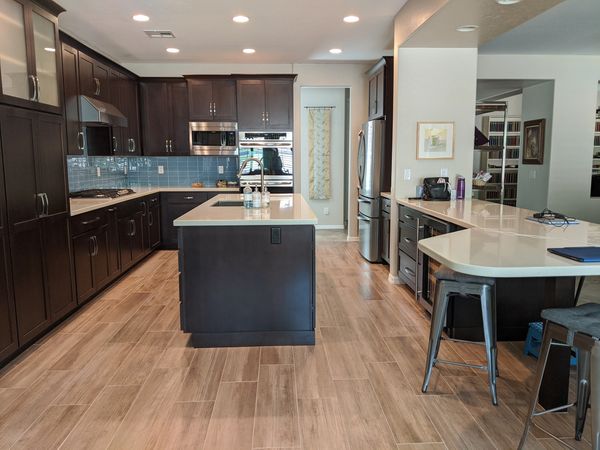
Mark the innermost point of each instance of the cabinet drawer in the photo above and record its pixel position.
(407, 270)
(386, 205)
(132, 207)
(89, 221)
(407, 240)
(186, 197)
(409, 216)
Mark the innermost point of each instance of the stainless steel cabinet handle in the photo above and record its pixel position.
(133, 147)
(43, 202)
(408, 240)
(409, 217)
(80, 141)
(263, 117)
(171, 145)
(150, 218)
(33, 88)
(410, 272)
(111, 209)
(94, 240)
(132, 228)
(89, 222)
(214, 109)
(91, 247)
(364, 219)
(37, 89)
(267, 116)
(145, 208)
(97, 91)
(115, 145)
(188, 198)
(166, 145)
(47, 204)
(360, 200)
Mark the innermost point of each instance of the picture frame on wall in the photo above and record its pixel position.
(435, 140)
(533, 141)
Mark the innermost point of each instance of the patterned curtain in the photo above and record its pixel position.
(319, 153)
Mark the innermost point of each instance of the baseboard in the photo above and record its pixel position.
(329, 227)
(352, 238)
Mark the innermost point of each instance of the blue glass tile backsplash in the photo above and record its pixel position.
(119, 172)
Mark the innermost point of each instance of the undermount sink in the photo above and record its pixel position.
(229, 203)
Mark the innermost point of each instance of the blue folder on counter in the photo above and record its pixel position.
(580, 254)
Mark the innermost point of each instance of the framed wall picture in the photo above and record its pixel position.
(533, 142)
(435, 140)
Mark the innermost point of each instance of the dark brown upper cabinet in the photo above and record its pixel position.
(265, 104)
(94, 78)
(30, 66)
(212, 99)
(164, 117)
(123, 95)
(380, 89)
(75, 142)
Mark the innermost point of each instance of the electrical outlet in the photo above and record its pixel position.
(532, 174)
(98, 173)
(161, 170)
(407, 174)
(221, 170)
(326, 211)
(444, 172)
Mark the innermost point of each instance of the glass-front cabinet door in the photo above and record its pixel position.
(28, 56)
(44, 44)
(14, 66)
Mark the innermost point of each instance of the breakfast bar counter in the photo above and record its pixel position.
(247, 276)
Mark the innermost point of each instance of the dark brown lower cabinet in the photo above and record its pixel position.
(32, 308)
(114, 263)
(58, 269)
(131, 235)
(153, 222)
(8, 320)
(91, 255)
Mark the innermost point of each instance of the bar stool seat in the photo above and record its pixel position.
(447, 274)
(577, 327)
(450, 283)
(580, 319)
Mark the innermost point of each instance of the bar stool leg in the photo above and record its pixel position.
(487, 314)
(583, 390)
(595, 395)
(539, 375)
(438, 315)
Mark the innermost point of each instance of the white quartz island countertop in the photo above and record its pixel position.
(499, 241)
(285, 209)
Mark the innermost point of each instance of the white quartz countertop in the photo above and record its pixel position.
(500, 242)
(285, 209)
(83, 205)
(387, 195)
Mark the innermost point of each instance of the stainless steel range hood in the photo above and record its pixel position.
(94, 111)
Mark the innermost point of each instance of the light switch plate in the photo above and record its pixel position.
(98, 173)
(326, 211)
(161, 170)
(221, 170)
(407, 175)
(444, 172)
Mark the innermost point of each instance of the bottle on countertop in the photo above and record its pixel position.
(247, 197)
(266, 198)
(460, 187)
(256, 198)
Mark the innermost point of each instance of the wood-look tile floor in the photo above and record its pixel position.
(119, 374)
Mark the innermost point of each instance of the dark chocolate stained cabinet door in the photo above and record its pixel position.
(179, 112)
(278, 101)
(200, 94)
(94, 78)
(71, 100)
(153, 221)
(251, 105)
(8, 321)
(224, 101)
(114, 263)
(155, 117)
(131, 111)
(83, 247)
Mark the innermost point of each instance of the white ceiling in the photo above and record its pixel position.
(281, 31)
(570, 28)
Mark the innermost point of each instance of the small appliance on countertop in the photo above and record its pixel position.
(101, 193)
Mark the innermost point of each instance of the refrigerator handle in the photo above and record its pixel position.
(360, 165)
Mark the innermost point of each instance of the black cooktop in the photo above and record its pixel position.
(101, 193)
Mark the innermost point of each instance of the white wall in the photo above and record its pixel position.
(436, 85)
(325, 97)
(350, 76)
(575, 97)
(532, 191)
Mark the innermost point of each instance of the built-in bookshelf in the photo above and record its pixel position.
(491, 159)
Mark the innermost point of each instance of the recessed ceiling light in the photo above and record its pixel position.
(241, 19)
(335, 51)
(50, 49)
(173, 50)
(249, 51)
(351, 19)
(141, 18)
(467, 28)
(507, 2)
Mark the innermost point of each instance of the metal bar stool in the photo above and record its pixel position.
(577, 327)
(481, 289)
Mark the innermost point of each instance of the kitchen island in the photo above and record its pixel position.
(247, 276)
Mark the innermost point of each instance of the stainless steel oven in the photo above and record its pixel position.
(213, 138)
(275, 150)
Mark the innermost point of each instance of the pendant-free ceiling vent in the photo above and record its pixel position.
(159, 33)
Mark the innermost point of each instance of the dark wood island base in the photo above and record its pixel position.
(248, 285)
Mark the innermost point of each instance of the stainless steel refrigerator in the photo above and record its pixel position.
(370, 166)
